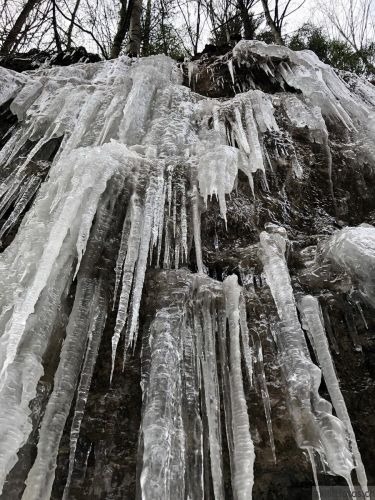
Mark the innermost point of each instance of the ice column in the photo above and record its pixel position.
(315, 426)
(82, 322)
(92, 349)
(243, 447)
(313, 323)
(163, 470)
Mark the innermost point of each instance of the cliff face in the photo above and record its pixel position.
(187, 278)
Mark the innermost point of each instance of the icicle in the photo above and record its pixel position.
(40, 479)
(11, 193)
(45, 230)
(192, 412)
(231, 70)
(123, 248)
(191, 68)
(184, 229)
(174, 212)
(167, 244)
(359, 307)
(169, 189)
(246, 341)
(197, 229)
(152, 194)
(217, 172)
(161, 225)
(225, 374)
(263, 110)
(177, 245)
(315, 426)
(313, 467)
(212, 397)
(25, 372)
(329, 330)
(87, 301)
(157, 226)
(127, 275)
(265, 396)
(163, 469)
(92, 349)
(240, 133)
(256, 158)
(30, 189)
(313, 323)
(243, 447)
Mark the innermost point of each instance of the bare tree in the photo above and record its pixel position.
(123, 27)
(11, 41)
(353, 21)
(55, 28)
(135, 30)
(229, 17)
(221, 13)
(147, 29)
(275, 13)
(248, 18)
(194, 19)
(71, 25)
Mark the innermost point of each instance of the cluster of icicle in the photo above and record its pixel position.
(316, 429)
(129, 130)
(182, 384)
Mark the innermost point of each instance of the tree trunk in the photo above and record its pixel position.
(271, 23)
(55, 30)
(147, 28)
(123, 27)
(71, 25)
(248, 25)
(133, 48)
(11, 40)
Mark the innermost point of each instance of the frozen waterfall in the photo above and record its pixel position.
(110, 184)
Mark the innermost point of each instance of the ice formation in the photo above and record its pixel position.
(353, 249)
(315, 426)
(182, 365)
(313, 323)
(125, 141)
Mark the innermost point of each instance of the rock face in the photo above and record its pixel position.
(36, 58)
(187, 292)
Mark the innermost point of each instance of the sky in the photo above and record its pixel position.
(306, 13)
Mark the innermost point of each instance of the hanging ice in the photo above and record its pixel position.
(81, 325)
(353, 248)
(315, 426)
(163, 457)
(217, 172)
(313, 324)
(243, 452)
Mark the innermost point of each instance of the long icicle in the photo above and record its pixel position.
(154, 192)
(128, 275)
(313, 323)
(243, 449)
(212, 395)
(315, 426)
(95, 335)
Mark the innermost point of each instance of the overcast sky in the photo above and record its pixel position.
(307, 13)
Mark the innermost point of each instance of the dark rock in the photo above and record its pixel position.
(35, 58)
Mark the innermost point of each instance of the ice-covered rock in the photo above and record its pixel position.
(108, 176)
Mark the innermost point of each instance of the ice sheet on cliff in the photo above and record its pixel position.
(130, 126)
